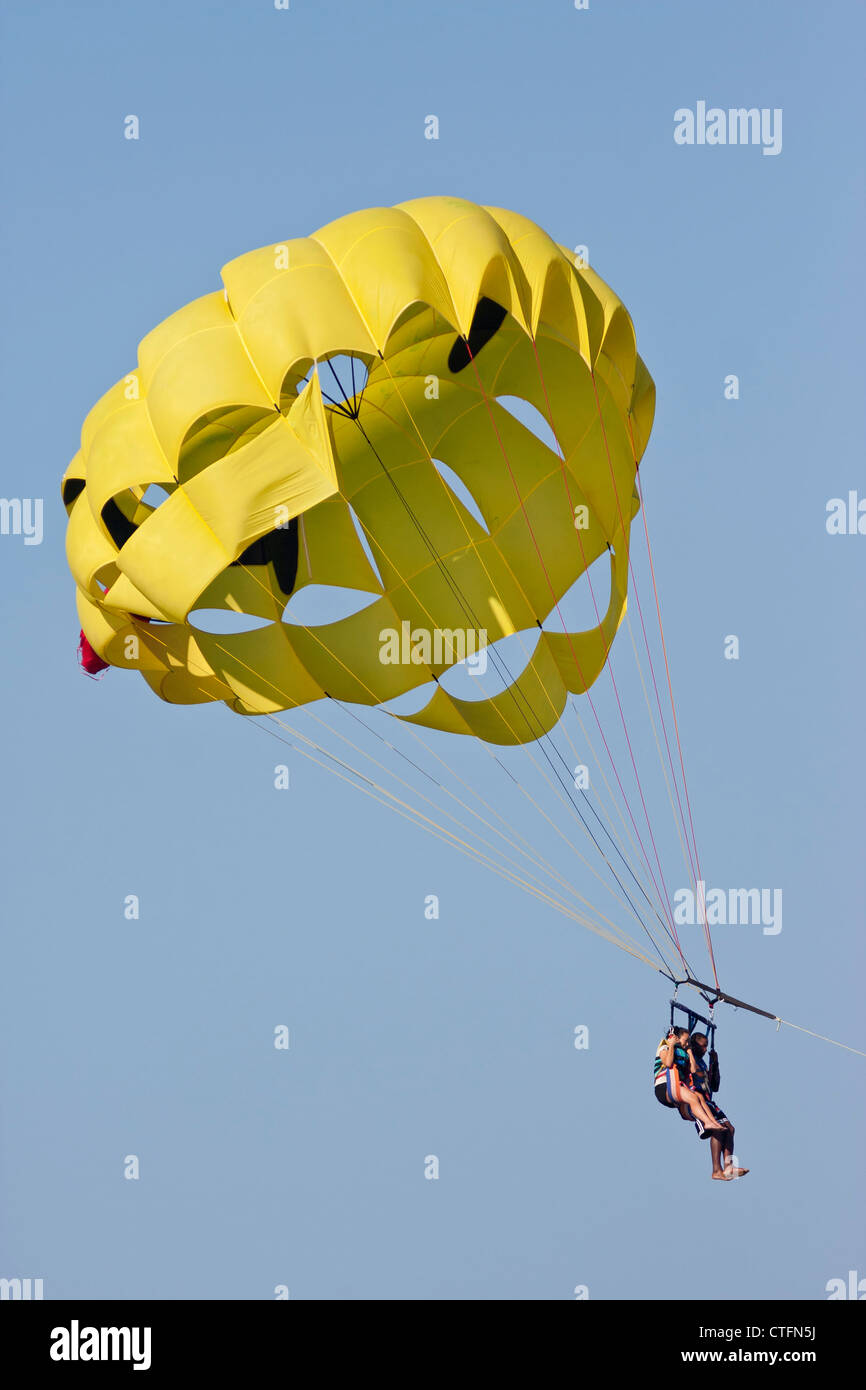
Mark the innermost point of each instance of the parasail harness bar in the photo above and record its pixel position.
(713, 997)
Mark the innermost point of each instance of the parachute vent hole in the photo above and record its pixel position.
(461, 491)
(317, 605)
(412, 702)
(531, 419)
(224, 622)
(486, 321)
(492, 669)
(365, 545)
(578, 605)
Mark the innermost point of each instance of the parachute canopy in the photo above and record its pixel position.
(226, 472)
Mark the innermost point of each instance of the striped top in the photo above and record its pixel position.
(681, 1061)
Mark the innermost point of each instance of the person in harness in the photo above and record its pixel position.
(704, 1080)
(671, 1077)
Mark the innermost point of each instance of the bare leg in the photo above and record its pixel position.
(702, 1112)
(728, 1145)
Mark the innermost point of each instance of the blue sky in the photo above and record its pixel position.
(306, 908)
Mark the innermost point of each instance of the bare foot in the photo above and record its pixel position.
(722, 1177)
(736, 1172)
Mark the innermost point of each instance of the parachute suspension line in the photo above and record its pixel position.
(637, 598)
(680, 829)
(343, 406)
(552, 823)
(574, 654)
(465, 607)
(469, 613)
(610, 832)
(695, 874)
(473, 619)
(563, 883)
(415, 792)
(636, 591)
(698, 875)
(577, 664)
(427, 799)
(415, 817)
(325, 648)
(589, 575)
(418, 817)
(153, 635)
(515, 692)
(311, 633)
(693, 862)
(640, 612)
(425, 822)
(497, 658)
(664, 892)
(533, 855)
(495, 813)
(587, 571)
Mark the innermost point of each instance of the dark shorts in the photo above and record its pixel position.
(669, 1090)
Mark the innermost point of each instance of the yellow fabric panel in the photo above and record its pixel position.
(385, 264)
(219, 425)
(192, 364)
(643, 406)
(474, 255)
(580, 657)
(344, 657)
(585, 284)
(207, 522)
(123, 453)
(120, 397)
(553, 294)
(251, 589)
(329, 551)
(123, 596)
(107, 633)
(617, 361)
(77, 472)
(293, 315)
(261, 668)
(177, 688)
(87, 548)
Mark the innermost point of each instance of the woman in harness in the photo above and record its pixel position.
(671, 1074)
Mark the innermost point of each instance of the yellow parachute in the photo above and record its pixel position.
(269, 485)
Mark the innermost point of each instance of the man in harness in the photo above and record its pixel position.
(704, 1080)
